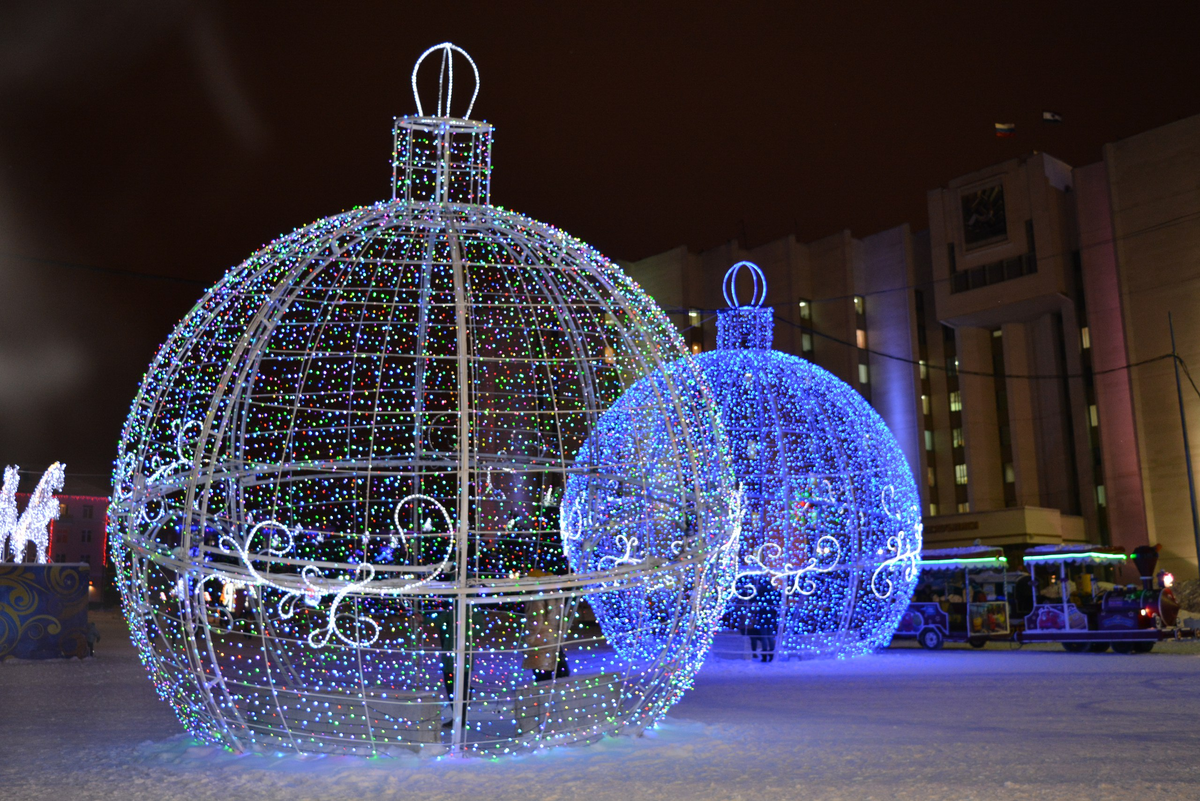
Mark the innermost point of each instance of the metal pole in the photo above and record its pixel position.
(1187, 451)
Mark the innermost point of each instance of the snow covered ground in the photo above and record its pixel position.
(1036, 723)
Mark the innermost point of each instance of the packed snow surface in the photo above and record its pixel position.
(1035, 723)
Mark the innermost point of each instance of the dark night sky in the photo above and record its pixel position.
(175, 138)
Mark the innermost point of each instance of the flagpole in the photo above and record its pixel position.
(1187, 451)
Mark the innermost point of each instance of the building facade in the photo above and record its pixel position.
(1018, 349)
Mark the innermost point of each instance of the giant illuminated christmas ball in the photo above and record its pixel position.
(831, 531)
(336, 516)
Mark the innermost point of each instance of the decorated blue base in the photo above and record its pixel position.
(43, 611)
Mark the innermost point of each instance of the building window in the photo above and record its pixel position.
(956, 438)
(924, 369)
(931, 476)
(928, 440)
(1094, 416)
(960, 474)
(860, 305)
(1085, 337)
(1010, 475)
(86, 558)
(964, 507)
(62, 509)
(863, 374)
(805, 309)
(933, 510)
(87, 513)
(956, 401)
(806, 344)
(924, 404)
(85, 536)
(1101, 498)
(860, 339)
(696, 348)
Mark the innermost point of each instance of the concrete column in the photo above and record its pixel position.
(1021, 413)
(985, 482)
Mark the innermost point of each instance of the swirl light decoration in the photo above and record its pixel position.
(831, 531)
(336, 498)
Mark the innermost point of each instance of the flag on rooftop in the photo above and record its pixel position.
(1006, 129)
(1051, 116)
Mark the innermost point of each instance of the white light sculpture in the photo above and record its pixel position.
(335, 517)
(33, 525)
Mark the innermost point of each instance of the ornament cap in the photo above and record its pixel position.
(441, 158)
(748, 326)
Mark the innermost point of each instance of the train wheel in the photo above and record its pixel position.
(1075, 647)
(1097, 647)
(1143, 647)
(977, 642)
(930, 638)
(1123, 647)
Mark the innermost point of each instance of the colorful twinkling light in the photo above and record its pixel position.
(336, 513)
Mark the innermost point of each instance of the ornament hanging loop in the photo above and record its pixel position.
(729, 285)
(445, 79)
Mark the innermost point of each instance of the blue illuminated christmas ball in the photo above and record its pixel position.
(831, 527)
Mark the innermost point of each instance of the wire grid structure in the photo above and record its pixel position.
(336, 511)
(831, 533)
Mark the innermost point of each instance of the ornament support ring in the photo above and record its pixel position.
(729, 285)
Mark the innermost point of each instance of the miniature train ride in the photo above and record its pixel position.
(969, 595)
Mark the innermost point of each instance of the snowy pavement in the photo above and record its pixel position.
(904, 724)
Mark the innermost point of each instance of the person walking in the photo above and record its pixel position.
(93, 637)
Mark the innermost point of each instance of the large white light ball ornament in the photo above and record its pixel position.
(336, 513)
(831, 531)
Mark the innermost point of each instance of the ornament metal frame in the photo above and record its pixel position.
(335, 514)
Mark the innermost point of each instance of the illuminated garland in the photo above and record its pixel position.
(831, 532)
(336, 512)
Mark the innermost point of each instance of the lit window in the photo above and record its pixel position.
(924, 370)
(806, 343)
(933, 510)
(863, 374)
(694, 317)
(924, 404)
(805, 310)
(696, 347)
(928, 440)
(860, 338)
(956, 438)
(931, 476)
(960, 474)
(1010, 475)
(964, 507)
(1094, 416)
(859, 305)
(1085, 337)
(956, 401)
(1101, 498)
(997, 334)
(62, 510)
